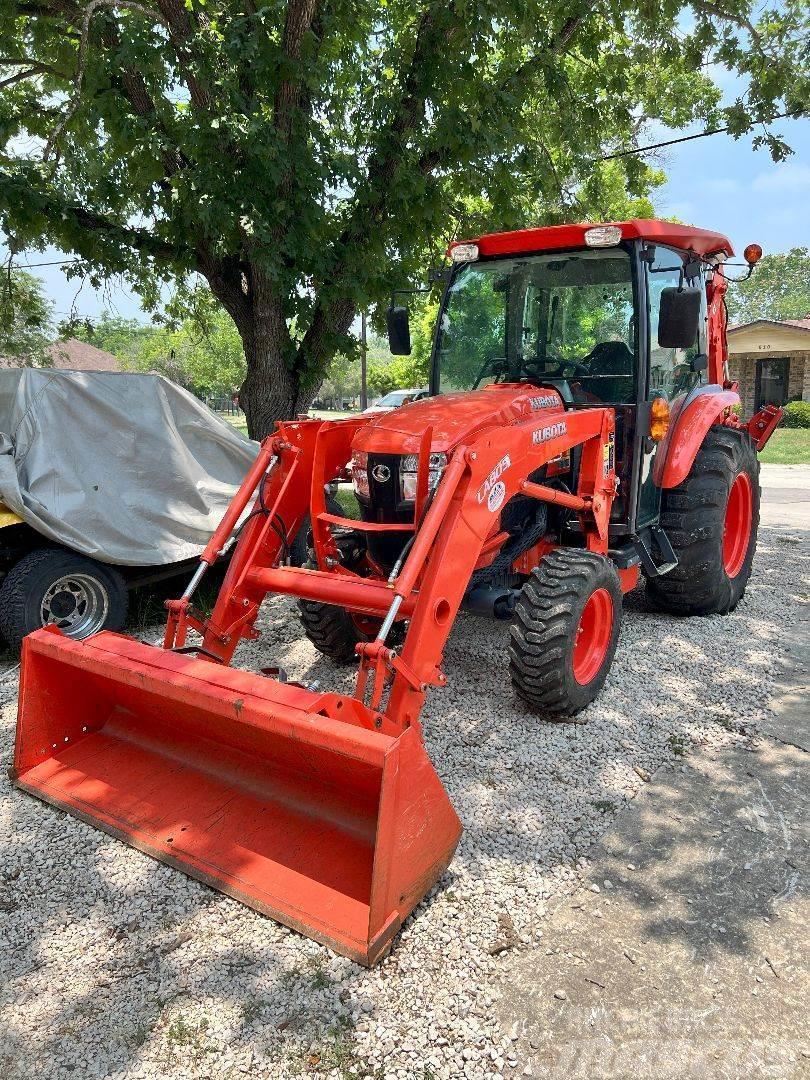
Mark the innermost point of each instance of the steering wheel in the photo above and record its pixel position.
(579, 368)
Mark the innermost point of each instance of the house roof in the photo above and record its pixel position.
(73, 355)
(792, 324)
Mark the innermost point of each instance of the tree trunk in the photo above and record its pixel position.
(271, 391)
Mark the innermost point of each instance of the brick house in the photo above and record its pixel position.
(73, 355)
(771, 361)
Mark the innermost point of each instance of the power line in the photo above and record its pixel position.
(59, 262)
(690, 138)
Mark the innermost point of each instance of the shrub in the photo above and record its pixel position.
(797, 415)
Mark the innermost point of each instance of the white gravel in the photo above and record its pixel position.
(112, 964)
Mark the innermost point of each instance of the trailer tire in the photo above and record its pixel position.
(711, 520)
(52, 585)
(564, 632)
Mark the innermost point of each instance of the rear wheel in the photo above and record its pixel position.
(564, 632)
(52, 586)
(711, 520)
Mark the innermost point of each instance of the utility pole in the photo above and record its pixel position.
(363, 358)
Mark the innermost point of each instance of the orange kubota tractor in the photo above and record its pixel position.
(580, 433)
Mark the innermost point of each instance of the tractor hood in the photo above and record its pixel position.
(453, 417)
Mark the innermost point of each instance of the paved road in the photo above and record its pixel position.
(786, 496)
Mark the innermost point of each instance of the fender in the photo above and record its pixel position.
(691, 418)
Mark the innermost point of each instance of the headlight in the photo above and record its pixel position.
(360, 473)
(409, 470)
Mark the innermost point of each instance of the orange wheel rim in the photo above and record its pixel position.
(737, 526)
(593, 636)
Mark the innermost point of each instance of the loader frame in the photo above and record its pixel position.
(454, 537)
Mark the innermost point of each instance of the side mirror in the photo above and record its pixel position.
(399, 331)
(678, 318)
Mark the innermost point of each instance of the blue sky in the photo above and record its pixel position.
(717, 183)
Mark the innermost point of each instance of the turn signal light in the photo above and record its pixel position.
(659, 418)
(752, 254)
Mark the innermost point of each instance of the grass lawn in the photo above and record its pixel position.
(239, 423)
(787, 446)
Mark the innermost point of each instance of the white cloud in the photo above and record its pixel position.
(786, 176)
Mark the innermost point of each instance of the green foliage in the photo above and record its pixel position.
(305, 159)
(779, 288)
(796, 415)
(25, 320)
(207, 359)
(112, 333)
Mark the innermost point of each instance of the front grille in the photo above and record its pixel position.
(384, 493)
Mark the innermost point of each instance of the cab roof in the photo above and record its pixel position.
(558, 237)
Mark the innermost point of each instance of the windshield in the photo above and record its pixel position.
(566, 315)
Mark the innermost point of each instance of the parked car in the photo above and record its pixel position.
(395, 399)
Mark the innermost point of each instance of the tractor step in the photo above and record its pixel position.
(655, 537)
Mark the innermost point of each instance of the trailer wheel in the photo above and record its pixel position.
(711, 520)
(564, 632)
(54, 586)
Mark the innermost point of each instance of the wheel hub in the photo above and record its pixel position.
(593, 636)
(77, 603)
(737, 525)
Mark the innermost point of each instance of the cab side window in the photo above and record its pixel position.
(671, 369)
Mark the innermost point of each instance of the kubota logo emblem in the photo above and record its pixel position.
(546, 401)
(550, 431)
(492, 479)
(381, 473)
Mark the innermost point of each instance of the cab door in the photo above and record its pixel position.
(670, 372)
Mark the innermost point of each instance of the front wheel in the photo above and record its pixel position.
(564, 632)
(711, 520)
(52, 586)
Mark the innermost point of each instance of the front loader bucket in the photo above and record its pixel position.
(255, 787)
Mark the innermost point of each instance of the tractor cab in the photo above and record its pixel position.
(603, 319)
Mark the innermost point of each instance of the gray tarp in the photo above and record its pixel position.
(129, 469)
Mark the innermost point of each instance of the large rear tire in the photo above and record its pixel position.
(564, 632)
(711, 520)
(55, 586)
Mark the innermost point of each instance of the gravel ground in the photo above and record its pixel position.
(112, 964)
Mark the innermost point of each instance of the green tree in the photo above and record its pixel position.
(307, 156)
(207, 359)
(115, 334)
(26, 330)
(779, 288)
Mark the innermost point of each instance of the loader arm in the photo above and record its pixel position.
(479, 480)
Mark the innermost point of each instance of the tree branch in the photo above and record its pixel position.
(300, 14)
(180, 23)
(75, 99)
(37, 69)
(139, 239)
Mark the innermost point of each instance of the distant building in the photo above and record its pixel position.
(73, 355)
(771, 361)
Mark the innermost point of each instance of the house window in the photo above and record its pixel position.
(772, 382)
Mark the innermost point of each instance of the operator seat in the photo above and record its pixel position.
(610, 358)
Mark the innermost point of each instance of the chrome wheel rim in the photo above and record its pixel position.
(77, 603)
